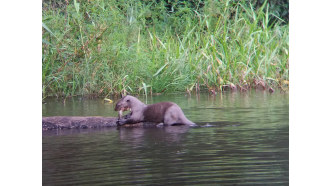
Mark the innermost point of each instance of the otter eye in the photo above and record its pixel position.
(127, 100)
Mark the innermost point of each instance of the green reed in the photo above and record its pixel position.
(110, 47)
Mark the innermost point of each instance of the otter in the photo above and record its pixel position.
(167, 113)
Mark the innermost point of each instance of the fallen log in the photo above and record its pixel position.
(84, 122)
(70, 122)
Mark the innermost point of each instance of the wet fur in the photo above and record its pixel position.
(167, 113)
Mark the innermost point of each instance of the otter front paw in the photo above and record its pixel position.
(128, 116)
(120, 122)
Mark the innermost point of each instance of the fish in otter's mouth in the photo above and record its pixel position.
(121, 110)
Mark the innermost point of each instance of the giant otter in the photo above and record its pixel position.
(167, 113)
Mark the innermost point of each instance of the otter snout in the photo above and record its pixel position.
(117, 108)
(121, 107)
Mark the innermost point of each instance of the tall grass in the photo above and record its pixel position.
(110, 47)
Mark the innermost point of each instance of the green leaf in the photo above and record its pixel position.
(46, 27)
(76, 5)
(159, 70)
(46, 42)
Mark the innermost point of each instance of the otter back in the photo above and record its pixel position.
(156, 112)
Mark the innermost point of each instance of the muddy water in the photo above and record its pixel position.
(248, 144)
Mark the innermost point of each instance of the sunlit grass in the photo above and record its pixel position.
(104, 48)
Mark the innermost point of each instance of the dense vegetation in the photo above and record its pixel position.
(107, 47)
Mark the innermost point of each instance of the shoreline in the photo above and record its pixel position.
(225, 88)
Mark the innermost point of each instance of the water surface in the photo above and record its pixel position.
(248, 144)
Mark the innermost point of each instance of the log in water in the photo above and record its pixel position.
(69, 122)
(84, 122)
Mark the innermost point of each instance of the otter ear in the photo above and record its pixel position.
(124, 94)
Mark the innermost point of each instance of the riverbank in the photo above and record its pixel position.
(98, 48)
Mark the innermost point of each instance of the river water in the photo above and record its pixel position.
(247, 143)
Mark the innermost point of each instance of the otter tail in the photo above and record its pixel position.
(188, 122)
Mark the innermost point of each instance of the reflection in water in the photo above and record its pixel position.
(140, 135)
(247, 145)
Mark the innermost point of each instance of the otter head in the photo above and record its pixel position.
(124, 104)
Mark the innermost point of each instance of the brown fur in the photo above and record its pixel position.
(156, 112)
(167, 113)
